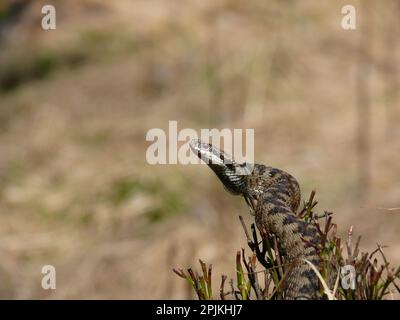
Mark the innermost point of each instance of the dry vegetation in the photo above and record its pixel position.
(345, 272)
(76, 103)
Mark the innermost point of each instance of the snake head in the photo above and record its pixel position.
(233, 175)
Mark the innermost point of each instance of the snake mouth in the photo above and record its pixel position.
(231, 174)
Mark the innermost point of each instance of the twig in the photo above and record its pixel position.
(222, 294)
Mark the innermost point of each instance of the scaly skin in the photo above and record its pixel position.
(274, 196)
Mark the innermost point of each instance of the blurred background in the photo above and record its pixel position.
(76, 103)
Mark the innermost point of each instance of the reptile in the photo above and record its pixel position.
(274, 197)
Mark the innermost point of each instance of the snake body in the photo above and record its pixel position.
(274, 196)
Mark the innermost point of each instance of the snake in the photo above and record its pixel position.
(274, 197)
